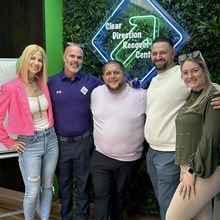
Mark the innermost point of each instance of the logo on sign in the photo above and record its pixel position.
(128, 32)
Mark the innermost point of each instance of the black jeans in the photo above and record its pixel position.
(111, 179)
(74, 158)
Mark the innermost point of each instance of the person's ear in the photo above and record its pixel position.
(103, 76)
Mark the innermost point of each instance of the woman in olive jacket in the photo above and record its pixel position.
(197, 145)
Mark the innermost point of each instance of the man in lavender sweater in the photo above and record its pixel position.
(118, 116)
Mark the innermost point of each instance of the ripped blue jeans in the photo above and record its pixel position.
(37, 164)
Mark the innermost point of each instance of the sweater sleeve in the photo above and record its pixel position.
(205, 159)
(5, 95)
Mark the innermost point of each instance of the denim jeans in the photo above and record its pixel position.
(37, 164)
(164, 175)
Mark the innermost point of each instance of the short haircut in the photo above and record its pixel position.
(163, 39)
(115, 62)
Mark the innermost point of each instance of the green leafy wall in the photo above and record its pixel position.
(200, 18)
(80, 18)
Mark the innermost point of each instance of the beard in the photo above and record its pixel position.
(161, 66)
(115, 88)
(74, 68)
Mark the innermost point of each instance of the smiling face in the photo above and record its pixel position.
(35, 64)
(114, 77)
(193, 75)
(73, 59)
(162, 55)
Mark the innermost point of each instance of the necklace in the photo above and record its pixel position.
(34, 86)
(39, 106)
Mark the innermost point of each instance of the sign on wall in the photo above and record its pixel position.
(128, 32)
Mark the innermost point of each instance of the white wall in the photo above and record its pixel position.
(7, 72)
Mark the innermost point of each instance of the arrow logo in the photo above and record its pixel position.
(137, 42)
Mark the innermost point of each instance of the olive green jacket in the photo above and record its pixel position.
(198, 136)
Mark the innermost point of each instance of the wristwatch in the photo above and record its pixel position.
(190, 170)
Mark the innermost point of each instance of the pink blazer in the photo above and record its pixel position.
(13, 100)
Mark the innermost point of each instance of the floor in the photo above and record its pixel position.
(11, 204)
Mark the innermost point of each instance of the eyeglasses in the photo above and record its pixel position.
(74, 44)
(194, 55)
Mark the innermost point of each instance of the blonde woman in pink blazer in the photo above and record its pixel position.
(27, 101)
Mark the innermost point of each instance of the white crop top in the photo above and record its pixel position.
(38, 106)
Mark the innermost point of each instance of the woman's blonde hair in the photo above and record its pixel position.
(23, 64)
(208, 85)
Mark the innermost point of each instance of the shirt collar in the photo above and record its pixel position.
(63, 76)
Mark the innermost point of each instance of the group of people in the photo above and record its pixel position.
(178, 116)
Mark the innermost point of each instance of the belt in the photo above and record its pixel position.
(73, 139)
